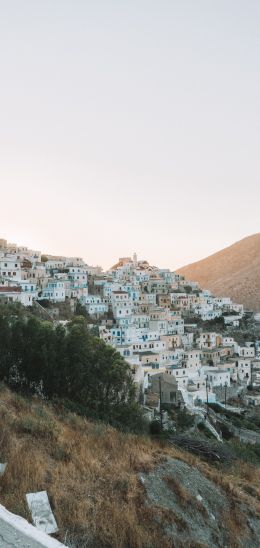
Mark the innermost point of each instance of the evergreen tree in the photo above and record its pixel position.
(68, 363)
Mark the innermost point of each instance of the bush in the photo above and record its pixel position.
(183, 419)
(45, 303)
(129, 417)
(226, 434)
(155, 428)
(37, 427)
(202, 428)
(216, 407)
(247, 452)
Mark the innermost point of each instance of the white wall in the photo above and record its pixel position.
(16, 531)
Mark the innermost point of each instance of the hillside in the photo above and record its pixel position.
(233, 272)
(110, 489)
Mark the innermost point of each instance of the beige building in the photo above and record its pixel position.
(148, 357)
(172, 341)
(166, 385)
(164, 300)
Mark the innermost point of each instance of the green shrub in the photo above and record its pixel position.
(155, 428)
(226, 434)
(37, 427)
(183, 419)
(246, 451)
(202, 428)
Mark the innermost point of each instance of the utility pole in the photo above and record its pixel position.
(207, 394)
(225, 394)
(251, 374)
(160, 390)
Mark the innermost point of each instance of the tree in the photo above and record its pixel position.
(81, 311)
(68, 363)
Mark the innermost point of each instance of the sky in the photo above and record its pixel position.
(129, 126)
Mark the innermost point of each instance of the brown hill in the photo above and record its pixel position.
(233, 272)
(110, 489)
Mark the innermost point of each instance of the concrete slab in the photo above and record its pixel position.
(3, 466)
(16, 532)
(41, 511)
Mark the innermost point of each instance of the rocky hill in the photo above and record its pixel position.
(233, 272)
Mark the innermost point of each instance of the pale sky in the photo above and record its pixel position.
(129, 125)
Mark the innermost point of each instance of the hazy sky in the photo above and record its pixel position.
(129, 125)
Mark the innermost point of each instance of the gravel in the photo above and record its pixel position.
(199, 508)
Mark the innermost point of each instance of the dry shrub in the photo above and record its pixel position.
(185, 498)
(248, 471)
(141, 463)
(182, 495)
(37, 427)
(19, 403)
(251, 490)
(5, 441)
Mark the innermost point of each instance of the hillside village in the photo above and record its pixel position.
(195, 362)
(175, 335)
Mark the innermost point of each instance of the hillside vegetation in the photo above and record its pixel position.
(69, 363)
(233, 272)
(112, 489)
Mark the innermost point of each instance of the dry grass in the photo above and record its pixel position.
(91, 474)
(235, 483)
(89, 470)
(183, 497)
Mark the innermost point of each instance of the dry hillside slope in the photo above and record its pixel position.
(233, 272)
(108, 489)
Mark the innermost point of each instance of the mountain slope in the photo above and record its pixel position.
(110, 489)
(232, 272)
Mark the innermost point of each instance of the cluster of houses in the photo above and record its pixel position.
(152, 316)
(26, 276)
